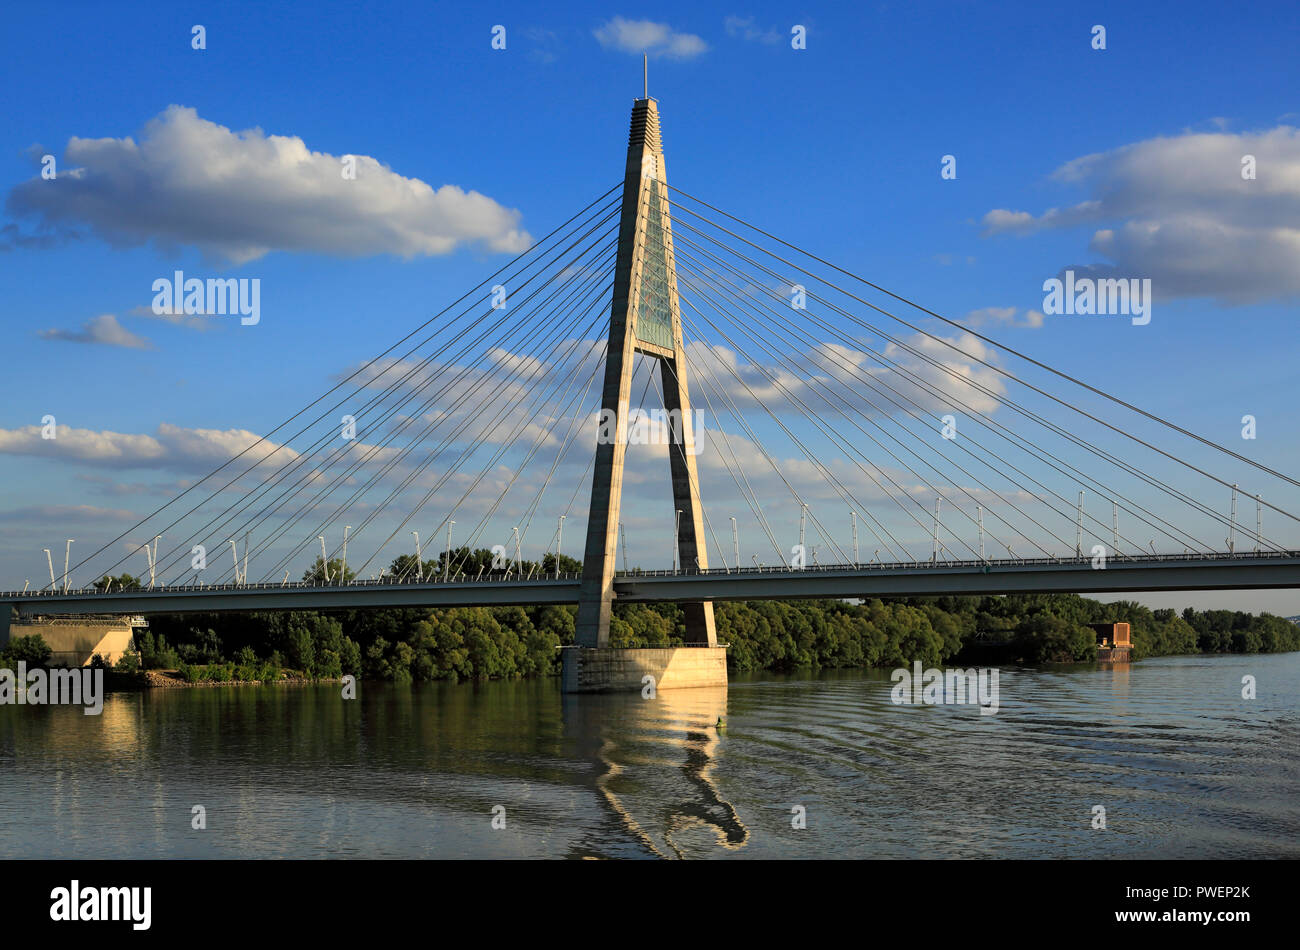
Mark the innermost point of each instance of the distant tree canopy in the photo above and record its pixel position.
(337, 573)
(121, 582)
(480, 562)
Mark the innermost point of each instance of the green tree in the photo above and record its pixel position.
(337, 573)
(32, 650)
(121, 582)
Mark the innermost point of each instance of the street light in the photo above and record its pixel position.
(324, 558)
(343, 574)
(446, 568)
(735, 544)
(559, 540)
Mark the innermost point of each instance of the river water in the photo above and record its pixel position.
(1182, 764)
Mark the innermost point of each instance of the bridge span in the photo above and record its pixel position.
(1163, 572)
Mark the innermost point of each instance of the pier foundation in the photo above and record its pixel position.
(623, 670)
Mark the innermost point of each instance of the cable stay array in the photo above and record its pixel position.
(911, 413)
(822, 406)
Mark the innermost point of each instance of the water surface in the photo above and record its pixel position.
(1183, 765)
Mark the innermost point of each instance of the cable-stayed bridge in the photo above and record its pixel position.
(861, 444)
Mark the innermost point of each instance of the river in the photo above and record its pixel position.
(1183, 766)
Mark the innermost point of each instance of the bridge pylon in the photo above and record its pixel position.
(645, 318)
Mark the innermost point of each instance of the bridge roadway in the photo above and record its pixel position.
(1043, 575)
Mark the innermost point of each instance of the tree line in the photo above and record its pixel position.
(404, 645)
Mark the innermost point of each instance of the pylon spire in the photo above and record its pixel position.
(645, 318)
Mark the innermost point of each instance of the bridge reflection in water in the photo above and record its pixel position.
(1185, 767)
(653, 763)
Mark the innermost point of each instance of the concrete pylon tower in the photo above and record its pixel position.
(645, 319)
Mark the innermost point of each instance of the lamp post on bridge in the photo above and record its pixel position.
(1114, 528)
(343, 574)
(1232, 524)
(324, 558)
(803, 518)
(559, 541)
(854, 514)
(735, 544)
(151, 554)
(1078, 528)
(934, 537)
(446, 568)
(1259, 522)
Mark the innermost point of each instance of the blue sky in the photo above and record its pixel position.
(836, 147)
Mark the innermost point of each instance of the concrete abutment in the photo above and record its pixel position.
(623, 669)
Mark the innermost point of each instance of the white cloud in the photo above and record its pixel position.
(1003, 316)
(241, 195)
(191, 321)
(746, 29)
(102, 329)
(960, 380)
(957, 380)
(37, 514)
(171, 447)
(1178, 211)
(646, 36)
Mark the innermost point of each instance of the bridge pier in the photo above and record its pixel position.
(645, 319)
(625, 670)
(6, 614)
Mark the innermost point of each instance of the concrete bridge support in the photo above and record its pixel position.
(646, 319)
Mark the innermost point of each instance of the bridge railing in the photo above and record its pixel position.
(300, 585)
(569, 576)
(931, 565)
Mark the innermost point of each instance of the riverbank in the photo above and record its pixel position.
(174, 679)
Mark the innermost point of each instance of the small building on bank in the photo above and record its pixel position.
(1114, 641)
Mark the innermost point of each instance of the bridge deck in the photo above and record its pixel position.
(1044, 575)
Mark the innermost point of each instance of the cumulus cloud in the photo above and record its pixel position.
(490, 399)
(38, 514)
(102, 329)
(745, 28)
(959, 379)
(546, 46)
(1005, 317)
(1179, 211)
(646, 36)
(171, 447)
(190, 321)
(240, 195)
(103, 485)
